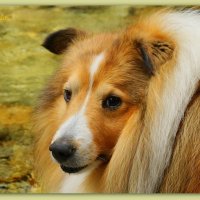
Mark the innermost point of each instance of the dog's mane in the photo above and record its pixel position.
(144, 148)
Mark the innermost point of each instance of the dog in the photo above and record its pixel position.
(122, 113)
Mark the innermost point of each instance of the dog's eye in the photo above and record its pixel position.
(67, 95)
(111, 102)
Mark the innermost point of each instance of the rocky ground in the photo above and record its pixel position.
(24, 68)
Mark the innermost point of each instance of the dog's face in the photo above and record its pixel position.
(102, 82)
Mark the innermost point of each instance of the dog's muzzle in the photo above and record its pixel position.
(64, 152)
(72, 157)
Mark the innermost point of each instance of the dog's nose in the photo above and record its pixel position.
(62, 151)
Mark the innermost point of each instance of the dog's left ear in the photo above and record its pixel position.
(153, 53)
(57, 42)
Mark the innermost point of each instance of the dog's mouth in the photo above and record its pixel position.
(72, 169)
(103, 157)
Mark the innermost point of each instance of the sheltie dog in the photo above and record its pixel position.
(122, 114)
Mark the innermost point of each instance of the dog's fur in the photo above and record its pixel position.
(151, 143)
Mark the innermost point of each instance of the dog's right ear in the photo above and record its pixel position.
(57, 42)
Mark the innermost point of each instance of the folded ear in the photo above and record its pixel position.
(154, 53)
(57, 42)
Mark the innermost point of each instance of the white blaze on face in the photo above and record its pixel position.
(77, 126)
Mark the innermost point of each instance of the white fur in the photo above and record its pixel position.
(77, 127)
(72, 183)
(178, 90)
(95, 65)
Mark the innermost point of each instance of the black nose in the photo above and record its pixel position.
(62, 151)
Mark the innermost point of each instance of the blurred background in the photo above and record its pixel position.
(25, 67)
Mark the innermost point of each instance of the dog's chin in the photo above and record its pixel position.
(72, 169)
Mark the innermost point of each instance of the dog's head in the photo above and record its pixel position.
(102, 82)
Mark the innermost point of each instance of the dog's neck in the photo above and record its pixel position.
(161, 126)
